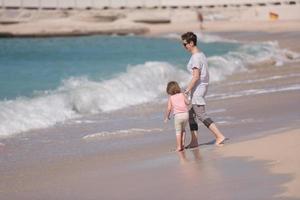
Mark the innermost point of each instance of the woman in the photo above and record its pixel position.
(197, 87)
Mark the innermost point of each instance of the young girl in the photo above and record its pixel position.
(177, 103)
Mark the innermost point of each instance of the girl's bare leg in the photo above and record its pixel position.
(179, 141)
(183, 138)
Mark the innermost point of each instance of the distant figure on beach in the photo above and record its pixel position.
(200, 19)
(178, 103)
(197, 88)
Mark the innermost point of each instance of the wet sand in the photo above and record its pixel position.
(193, 174)
(259, 161)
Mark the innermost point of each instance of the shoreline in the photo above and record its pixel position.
(258, 162)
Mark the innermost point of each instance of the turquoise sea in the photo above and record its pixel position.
(45, 81)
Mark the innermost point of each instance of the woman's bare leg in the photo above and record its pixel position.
(217, 133)
(194, 140)
(194, 129)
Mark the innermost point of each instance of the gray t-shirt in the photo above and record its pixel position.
(198, 60)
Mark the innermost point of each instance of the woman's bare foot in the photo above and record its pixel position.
(220, 140)
(194, 140)
(192, 145)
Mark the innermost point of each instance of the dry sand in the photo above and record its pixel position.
(41, 23)
(280, 150)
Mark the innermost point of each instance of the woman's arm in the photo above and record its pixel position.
(195, 78)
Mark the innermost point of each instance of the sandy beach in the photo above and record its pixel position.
(259, 161)
(76, 22)
(278, 150)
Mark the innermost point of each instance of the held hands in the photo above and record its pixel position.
(187, 97)
(186, 92)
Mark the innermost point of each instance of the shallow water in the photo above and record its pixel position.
(45, 82)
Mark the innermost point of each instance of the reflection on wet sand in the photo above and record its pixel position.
(197, 168)
(190, 166)
(196, 156)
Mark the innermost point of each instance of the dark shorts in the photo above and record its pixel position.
(197, 112)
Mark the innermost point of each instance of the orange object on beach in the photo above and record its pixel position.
(273, 16)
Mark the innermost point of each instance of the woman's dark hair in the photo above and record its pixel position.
(173, 88)
(189, 37)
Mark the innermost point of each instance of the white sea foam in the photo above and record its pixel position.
(253, 92)
(140, 84)
(79, 96)
(83, 122)
(120, 133)
(240, 121)
(263, 79)
(254, 53)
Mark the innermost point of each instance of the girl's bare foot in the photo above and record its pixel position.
(179, 149)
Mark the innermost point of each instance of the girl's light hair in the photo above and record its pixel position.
(173, 88)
